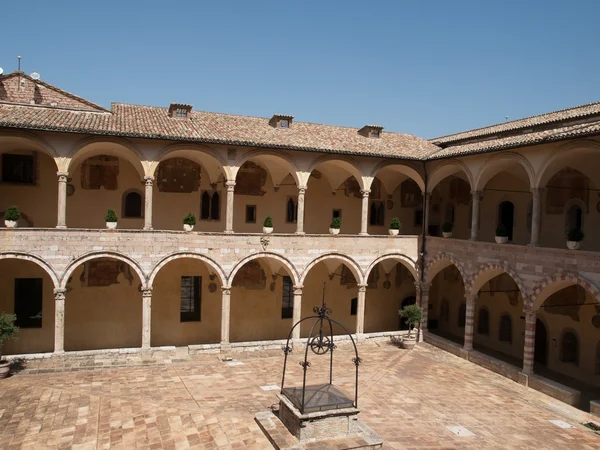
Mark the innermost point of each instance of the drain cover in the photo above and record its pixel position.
(561, 424)
(235, 363)
(270, 387)
(461, 431)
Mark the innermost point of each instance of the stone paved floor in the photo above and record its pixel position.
(409, 398)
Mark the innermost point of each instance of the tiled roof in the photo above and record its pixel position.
(154, 122)
(520, 140)
(521, 124)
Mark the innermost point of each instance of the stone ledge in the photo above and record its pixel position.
(595, 407)
(553, 389)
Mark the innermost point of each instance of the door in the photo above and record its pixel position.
(407, 301)
(541, 345)
(506, 216)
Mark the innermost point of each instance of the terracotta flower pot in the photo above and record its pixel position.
(409, 342)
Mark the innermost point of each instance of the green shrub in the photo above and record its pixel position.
(268, 223)
(8, 329)
(12, 213)
(575, 234)
(336, 223)
(447, 227)
(412, 315)
(501, 231)
(190, 219)
(395, 224)
(111, 215)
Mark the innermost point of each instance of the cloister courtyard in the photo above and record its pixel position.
(172, 400)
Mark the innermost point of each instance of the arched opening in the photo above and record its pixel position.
(412, 300)
(483, 322)
(450, 202)
(186, 303)
(446, 304)
(569, 348)
(541, 343)
(506, 217)
(573, 217)
(261, 300)
(27, 291)
(505, 333)
(103, 306)
(132, 205)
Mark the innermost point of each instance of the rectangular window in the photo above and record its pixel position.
(291, 210)
(191, 288)
(250, 213)
(28, 302)
(336, 213)
(353, 306)
(18, 168)
(287, 299)
(181, 113)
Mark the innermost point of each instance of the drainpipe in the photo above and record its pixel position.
(422, 249)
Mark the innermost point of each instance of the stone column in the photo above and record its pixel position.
(300, 218)
(229, 215)
(529, 344)
(536, 217)
(146, 318)
(423, 292)
(365, 212)
(225, 313)
(360, 309)
(297, 310)
(426, 213)
(469, 322)
(475, 214)
(62, 200)
(149, 182)
(59, 320)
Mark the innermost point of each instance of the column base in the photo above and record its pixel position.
(148, 228)
(363, 234)
(58, 352)
(533, 245)
(228, 231)
(300, 233)
(62, 227)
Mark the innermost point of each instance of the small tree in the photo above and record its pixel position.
(111, 215)
(336, 223)
(268, 223)
(575, 234)
(12, 213)
(501, 231)
(395, 224)
(447, 227)
(412, 315)
(8, 329)
(190, 219)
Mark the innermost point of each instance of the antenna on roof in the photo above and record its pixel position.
(35, 75)
(505, 117)
(1, 70)
(19, 64)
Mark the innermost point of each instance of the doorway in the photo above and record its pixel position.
(541, 345)
(506, 216)
(407, 301)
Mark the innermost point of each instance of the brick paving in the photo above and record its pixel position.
(180, 401)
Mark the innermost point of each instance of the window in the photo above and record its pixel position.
(287, 299)
(569, 348)
(506, 216)
(529, 216)
(483, 322)
(375, 133)
(181, 113)
(250, 213)
(190, 299)
(205, 206)
(215, 206)
(210, 207)
(353, 306)
(28, 302)
(418, 219)
(505, 332)
(291, 211)
(462, 315)
(377, 213)
(132, 205)
(574, 217)
(284, 123)
(445, 310)
(336, 213)
(18, 168)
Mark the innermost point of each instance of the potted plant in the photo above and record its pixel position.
(8, 329)
(111, 219)
(11, 216)
(574, 238)
(268, 225)
(501, 234)
(334, 228)
(412, 315)
(394, 227)
(447, 230)
(188, 222)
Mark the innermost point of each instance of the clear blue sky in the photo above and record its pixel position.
(423, 67)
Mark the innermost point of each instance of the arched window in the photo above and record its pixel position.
(205, 207)
(505, 332)
(569, 348)
(483, 322)
(290, 211)
(132, 205)
(445, 310)
(449, 214)
(462, 315)
(598, 358)
(215, 206)
(574, 217)
(506, 217)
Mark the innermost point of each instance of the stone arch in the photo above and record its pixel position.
(96, 255)
(212, 161)
(271, 159)
(498, 163)
(444, 170)
(554, 283)
(349, 262)
(348, 164)
(399, 258)
(39, 142)
(407, 168)
(36, 260)
(439, 262)
(490, 270)
(266, 255)
(85, 149)
(582, 145)
(212, 264)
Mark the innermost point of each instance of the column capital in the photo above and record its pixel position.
(301, 190)
(362, 287)
(530, 316)
(365, 192)
(226, 290)
(537, 190)
(59, 294)
(423, 287)
(146, 292)
(427, 195)
(471, 299)
(148, 180)
(475, 193)
(230, 184)
(62, 176)
(298, 289)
